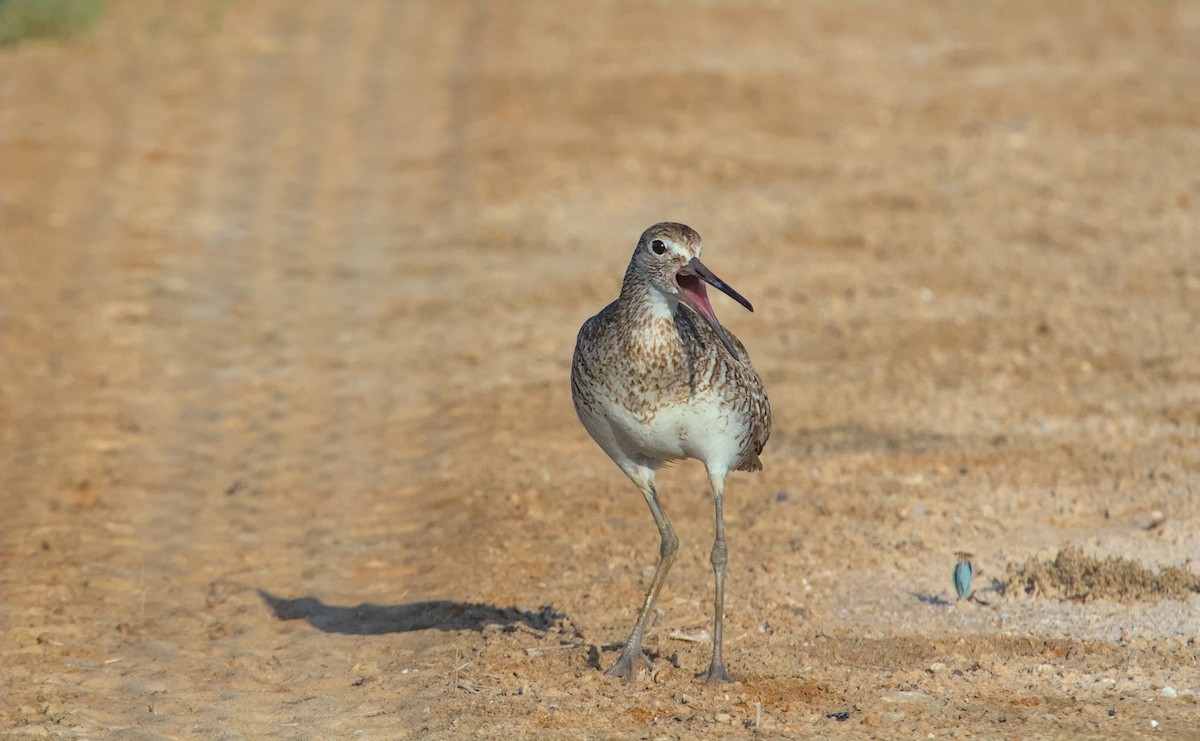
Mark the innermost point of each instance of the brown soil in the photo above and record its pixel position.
(1074, 575)
(288, 293)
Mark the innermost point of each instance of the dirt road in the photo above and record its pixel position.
(288, 293)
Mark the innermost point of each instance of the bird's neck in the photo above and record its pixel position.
(641, 298)
(647, 318)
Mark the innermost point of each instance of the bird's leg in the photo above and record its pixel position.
(626, 668)
(720, 556)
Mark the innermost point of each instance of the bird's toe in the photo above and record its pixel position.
(716, 672)
(627, 665)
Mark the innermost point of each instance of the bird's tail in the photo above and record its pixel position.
(750, 463)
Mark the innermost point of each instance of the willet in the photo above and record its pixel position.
(655, 379)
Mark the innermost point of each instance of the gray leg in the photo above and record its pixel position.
(720, 556)
(631, 655)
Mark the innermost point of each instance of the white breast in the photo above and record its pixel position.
(705, 429)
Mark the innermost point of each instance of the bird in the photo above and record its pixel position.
(962, 575)
(655, 379)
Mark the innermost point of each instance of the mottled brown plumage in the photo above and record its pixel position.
(655, 378)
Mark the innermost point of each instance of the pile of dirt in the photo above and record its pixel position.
(1072, 575)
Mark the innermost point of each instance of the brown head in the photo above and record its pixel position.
(667, 259)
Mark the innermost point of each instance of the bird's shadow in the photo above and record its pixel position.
(445, 615)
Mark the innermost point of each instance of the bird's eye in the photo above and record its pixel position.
(658, 247)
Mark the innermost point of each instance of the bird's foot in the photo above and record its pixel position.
(627, 664)
(716, 673)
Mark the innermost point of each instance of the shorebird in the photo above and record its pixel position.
(655, 379)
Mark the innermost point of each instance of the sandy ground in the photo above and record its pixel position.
(288, 293)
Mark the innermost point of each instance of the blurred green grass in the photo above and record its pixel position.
(21, 20)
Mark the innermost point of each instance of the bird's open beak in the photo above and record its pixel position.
(691, 279)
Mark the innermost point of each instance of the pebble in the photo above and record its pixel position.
(1169, 692)
(725, 718)
(936, 667)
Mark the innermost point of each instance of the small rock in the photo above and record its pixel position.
(725, 718)
(1169, 692)
(936, 667)
(902, 696)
